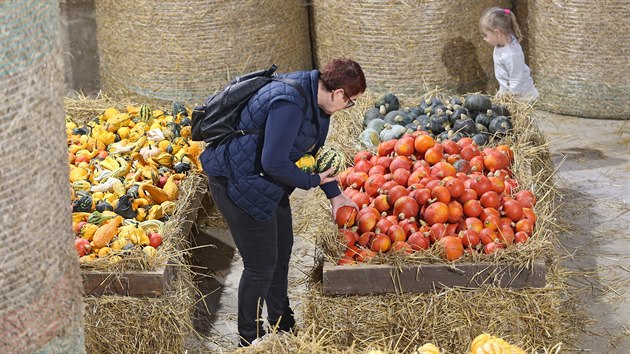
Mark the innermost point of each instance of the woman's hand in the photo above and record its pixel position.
(339, 201)
(326, 177)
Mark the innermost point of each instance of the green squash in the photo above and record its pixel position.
(481, 128)
(454, 100)
(478, 103)
(175, 128)
(133, 191)
(389, 101)
(369, 137)
(102, 205)
(480, 138)
(371, 114)
(412, 112)
(465, 126)
(458, 113)
(395, 117)
(376, 124)
(500, 110)
(390, 132)
(500, 125)
(83, 203)
(97, 218)
(439, 123)
(181, 167)
(124, 208)
(179, 108)
(438, 109)
(423, 122)
(84, 130)
(413, 126)
(483, 118)
(456, 136)
(443, 136)
(186, 122)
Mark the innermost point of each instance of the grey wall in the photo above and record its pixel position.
(79, 46)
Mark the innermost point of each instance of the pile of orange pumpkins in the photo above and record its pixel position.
(416, 194)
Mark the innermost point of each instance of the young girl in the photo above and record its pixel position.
(499, 28)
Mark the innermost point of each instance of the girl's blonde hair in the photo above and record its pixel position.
(503, 19)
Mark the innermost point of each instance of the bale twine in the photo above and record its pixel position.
(405, 45)
(186, 49)
(580, 57)
(40, 301)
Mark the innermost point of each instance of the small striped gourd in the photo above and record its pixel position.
(327, 158)
(145, 113)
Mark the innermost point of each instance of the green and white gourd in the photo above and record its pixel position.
(327, 158)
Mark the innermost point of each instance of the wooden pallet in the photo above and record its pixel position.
(366, 279)
(153, 283)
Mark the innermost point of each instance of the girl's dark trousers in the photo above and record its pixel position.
(265, 247)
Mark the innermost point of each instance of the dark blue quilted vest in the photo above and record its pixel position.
(239, 159)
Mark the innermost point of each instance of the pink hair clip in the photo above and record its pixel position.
(507, 11)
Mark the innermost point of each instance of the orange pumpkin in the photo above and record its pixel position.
(345, 216)
(452, 247)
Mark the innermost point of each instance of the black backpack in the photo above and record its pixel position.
(215, 122)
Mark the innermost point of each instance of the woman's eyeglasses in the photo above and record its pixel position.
(350, 100)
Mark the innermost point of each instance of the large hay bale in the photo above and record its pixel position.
(580, 66)
(40, 301)
(407, 45)
(185, 49)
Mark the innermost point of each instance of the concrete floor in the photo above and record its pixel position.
(592, 158)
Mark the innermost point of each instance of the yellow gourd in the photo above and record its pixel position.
(78, 173)
(488, 344)
(103, 252)
(110, 112)
(88, 230)
(155, 213)
(306, 163)
(156, 194)
(171, 188)
(428, 348)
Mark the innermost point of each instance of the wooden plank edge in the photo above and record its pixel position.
(130, 283)
(367, 279)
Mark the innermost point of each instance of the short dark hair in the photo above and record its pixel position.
(345, 74)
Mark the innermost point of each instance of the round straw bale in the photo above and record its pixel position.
(407, 45)
(40, 301)
(186, 49)
(579, 57)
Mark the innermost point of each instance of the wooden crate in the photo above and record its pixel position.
(366, 279)
(153, 283)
